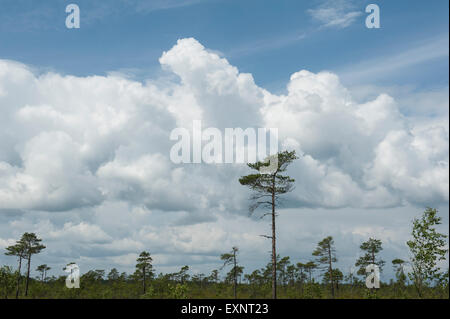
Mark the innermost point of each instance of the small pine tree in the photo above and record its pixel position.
(144, 268)
(371, 248)
(326, 254)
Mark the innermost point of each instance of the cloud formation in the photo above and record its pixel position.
(337, 13)
(70, 142)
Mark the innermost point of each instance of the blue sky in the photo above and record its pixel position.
(86, 115)
(269, 39)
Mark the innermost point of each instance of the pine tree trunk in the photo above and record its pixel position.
(235, 276)
(18, 277)
(331, 271)
(274, 247)
(144, 279)
(28, 275)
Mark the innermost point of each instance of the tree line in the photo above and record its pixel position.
(419, 277)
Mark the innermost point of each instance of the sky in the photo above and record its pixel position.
(86, 116)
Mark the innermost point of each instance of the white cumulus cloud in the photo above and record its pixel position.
(70, 142)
